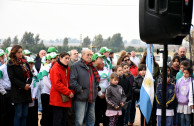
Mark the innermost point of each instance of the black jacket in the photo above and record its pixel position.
(126, 83)
(82, 81)
(137, 86)
(114, 96)
(18, 83)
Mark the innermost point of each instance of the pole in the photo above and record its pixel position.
(164, 83)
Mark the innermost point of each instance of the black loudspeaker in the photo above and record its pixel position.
(164, 21)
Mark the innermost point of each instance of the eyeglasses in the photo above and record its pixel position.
(127, 60)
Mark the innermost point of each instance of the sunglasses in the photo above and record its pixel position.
(127, 60)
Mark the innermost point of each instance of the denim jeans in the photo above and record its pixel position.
(169, 120)
(84, 113)
(185, 119)
(21, 113)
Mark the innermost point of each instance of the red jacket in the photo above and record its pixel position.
(59, 82)
(133, 70)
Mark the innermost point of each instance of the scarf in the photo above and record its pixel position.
(96, 75)
(107, 61)
(175, 68)
(25, 69)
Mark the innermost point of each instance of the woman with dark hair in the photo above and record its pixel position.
(133, 67)
(60, 94)
(21, 77)
(156, 66)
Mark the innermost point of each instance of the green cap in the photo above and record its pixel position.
(30, 60)
(52, 49)
(53, 55)
(2, 52)
(8, 50)
(48, 56)
(26, 52)
(96, 55)
(104, 49)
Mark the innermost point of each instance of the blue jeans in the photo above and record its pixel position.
(130, 112)
(21, 113)
(84, 113)
(169, 120)
(185, 119)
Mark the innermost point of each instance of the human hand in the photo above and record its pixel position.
(71, 95)
(122, 104)
(102, 96)
(192, 106)
(32, 99)
(166, 106)
(27, 87)
(117, 107)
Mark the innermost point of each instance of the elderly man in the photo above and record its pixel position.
(84, 80)
(182, 54)
(134, 59)
(73, 57)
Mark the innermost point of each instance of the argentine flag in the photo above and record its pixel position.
(147, 88)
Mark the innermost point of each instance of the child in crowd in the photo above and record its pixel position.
(115, 97)
(126, 83)
(137, 86)
(175, 65)
(131, 109)
(183, 65)
(170, 96)
(32, 119)
(182, 95)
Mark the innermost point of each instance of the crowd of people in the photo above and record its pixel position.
(90, 90)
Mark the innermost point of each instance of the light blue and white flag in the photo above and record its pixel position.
(147, 88)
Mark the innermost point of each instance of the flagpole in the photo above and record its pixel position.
(164, 83)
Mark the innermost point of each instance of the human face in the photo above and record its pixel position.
(106, 54)
(42, 53)
(168, 71)
(133, 54)
(54, 59)
(120, 71)
(99, 60)
(114, 81)
(2, 59)
(111, 55)
(193, 68)
(31, 65)
(182, 52)
(74, 55)
(87, 56)
(186, 73)
(143, 72)
(126, 69)
(19, 53)
(64, 60)
(127, 60)
(182, 68)
(175, 63)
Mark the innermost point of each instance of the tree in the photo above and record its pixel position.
(65, 42)
(27, 40)
(98, 41)
(117, 41)
(86, 42)
(37, 39)
(6, 43)
(130, 48)
(15, 40)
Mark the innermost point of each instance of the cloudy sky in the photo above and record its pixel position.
(69, 18)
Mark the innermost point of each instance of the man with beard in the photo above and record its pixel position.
(73, 57)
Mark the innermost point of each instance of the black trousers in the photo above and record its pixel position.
(47, 111)
(32, 119)
(59, 116)
(71, 116)
(6, 110)
(100, 109)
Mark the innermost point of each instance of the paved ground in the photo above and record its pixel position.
(137, 118)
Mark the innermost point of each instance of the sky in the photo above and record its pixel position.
(69, 18)
(53, 19)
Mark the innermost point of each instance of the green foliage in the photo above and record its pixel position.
(86, 42)
(6, 43)
(130, 48)
(98, 40)
(15, 40)
(65, 42)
